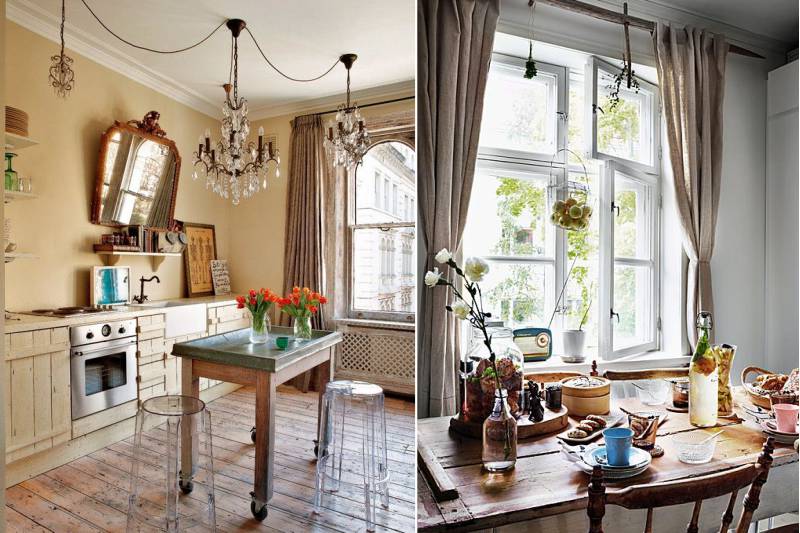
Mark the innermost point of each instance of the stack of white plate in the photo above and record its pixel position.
(16, 121)
(771, 430)
(587, 458)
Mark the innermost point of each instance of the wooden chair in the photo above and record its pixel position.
(685, 491)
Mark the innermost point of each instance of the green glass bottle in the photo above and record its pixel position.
(11, 174)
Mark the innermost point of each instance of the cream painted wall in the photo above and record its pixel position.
(56, 226)
(258, 225)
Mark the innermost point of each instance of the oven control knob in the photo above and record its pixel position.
(122, 331)
(106, 330)
(90, 335)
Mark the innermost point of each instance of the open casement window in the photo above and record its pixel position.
(381, 234)
(626, 132)
(523, 119)
(630, 206)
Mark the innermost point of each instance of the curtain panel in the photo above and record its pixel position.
(454, 48)
(691, 75)
(303, 246)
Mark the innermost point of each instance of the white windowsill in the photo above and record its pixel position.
(379, 324)
(655, 359)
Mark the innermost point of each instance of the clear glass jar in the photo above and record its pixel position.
(499, 452)
(703, 377)
(480, 384)
(259, 328)
(302, 328)
(723, 353)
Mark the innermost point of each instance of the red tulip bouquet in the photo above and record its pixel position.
(302, 304)
(258, 303)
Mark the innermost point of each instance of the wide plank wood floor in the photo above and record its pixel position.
(91, 493)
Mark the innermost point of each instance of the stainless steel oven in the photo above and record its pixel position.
(102, 366)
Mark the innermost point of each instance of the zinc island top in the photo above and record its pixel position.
(234, 348)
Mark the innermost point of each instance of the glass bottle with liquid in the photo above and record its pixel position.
(499, 453)
(703, 377)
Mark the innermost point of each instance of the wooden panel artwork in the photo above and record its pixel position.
(37, 402)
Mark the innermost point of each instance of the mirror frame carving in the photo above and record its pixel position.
(147, 128)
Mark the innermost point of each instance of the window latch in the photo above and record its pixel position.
(562, 115)
(615, 315)
(615, 207)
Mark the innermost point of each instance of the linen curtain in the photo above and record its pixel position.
(303, 246)
(454, 43)
(691, 75)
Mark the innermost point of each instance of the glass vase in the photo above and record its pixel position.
(10, 174)
(724, 353)
(499, 453)
(259, 328)
(480, 385)
(302, 328)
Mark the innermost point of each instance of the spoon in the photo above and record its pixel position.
(717, 434)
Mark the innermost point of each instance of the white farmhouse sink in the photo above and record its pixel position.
(180, 319)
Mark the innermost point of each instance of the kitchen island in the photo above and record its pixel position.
(232, 358)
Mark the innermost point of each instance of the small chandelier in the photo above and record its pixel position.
(62, 78)
(348, 139)
(235, 168)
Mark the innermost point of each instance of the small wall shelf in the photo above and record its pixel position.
(18, 142)
(156, 258)
(10, 196)
(11, 256)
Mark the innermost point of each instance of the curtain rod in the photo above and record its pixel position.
(393, 100)
(608, 15)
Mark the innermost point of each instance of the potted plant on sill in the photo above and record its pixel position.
(575, 339)
(499, 452)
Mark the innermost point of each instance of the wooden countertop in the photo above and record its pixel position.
(234, 348)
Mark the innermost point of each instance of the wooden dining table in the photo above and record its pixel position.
(547, 492)
(231, 357)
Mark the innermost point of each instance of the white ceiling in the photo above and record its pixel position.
(302, 38)
(776, 19)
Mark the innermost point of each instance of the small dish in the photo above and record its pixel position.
(691, 448)
(614, 418)
(597, 456)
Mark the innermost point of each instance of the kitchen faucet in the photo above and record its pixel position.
(142, 298)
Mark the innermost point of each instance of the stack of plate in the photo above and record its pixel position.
(771, 430)
(16, 121)
(587, 457)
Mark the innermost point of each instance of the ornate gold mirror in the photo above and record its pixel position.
(137, 175)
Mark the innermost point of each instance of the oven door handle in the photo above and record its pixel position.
(110, 346)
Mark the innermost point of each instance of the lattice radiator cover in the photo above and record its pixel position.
(380, 356)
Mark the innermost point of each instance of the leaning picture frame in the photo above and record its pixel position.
(201, 249)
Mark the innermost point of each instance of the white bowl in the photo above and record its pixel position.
(691, 451)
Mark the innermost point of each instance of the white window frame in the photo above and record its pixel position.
(608, 260)
(562, 80)
(383, 254)
(653, 119)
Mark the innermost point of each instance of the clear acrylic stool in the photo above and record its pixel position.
(155, 502)
(352, 445)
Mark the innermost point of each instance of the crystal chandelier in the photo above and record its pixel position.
(347, 139)
(235, 168)
(62, 78)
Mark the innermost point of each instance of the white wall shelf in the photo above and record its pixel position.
(11, 196)
(156, 258)
(18, 142)
(11, 256)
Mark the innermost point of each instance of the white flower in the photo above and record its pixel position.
(432, 277)
(475, 268)
(460, 309)
(443, 256)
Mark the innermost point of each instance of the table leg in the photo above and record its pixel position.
(190, 386)
(323, 375)
(265, 443)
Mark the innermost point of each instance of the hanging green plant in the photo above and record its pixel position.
(626, 73)
(530, 64)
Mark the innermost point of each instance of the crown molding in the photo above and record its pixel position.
(401, 89)
(32, 17)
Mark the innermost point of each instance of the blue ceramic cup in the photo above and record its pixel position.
(618, 445)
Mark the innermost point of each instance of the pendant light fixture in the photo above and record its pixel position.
(62, 78)
(348, 139)
(234, 167)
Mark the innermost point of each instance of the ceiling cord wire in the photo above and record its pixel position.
(279, 70)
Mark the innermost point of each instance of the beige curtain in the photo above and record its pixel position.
(454, 47)
(303, 246)
(691, 75)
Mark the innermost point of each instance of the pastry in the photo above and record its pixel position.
(577, 434)
(792, 383)
(585, 427)
(594, 424)
(597, 418)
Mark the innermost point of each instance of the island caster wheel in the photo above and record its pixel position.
(259, 511)
(253, 435)
(316, 448)
(186, 486)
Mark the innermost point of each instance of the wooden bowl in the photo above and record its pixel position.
(583, 401)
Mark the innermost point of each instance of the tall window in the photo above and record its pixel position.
(523, 167)
(382, 283)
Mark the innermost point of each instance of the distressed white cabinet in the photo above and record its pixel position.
(37, 397)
